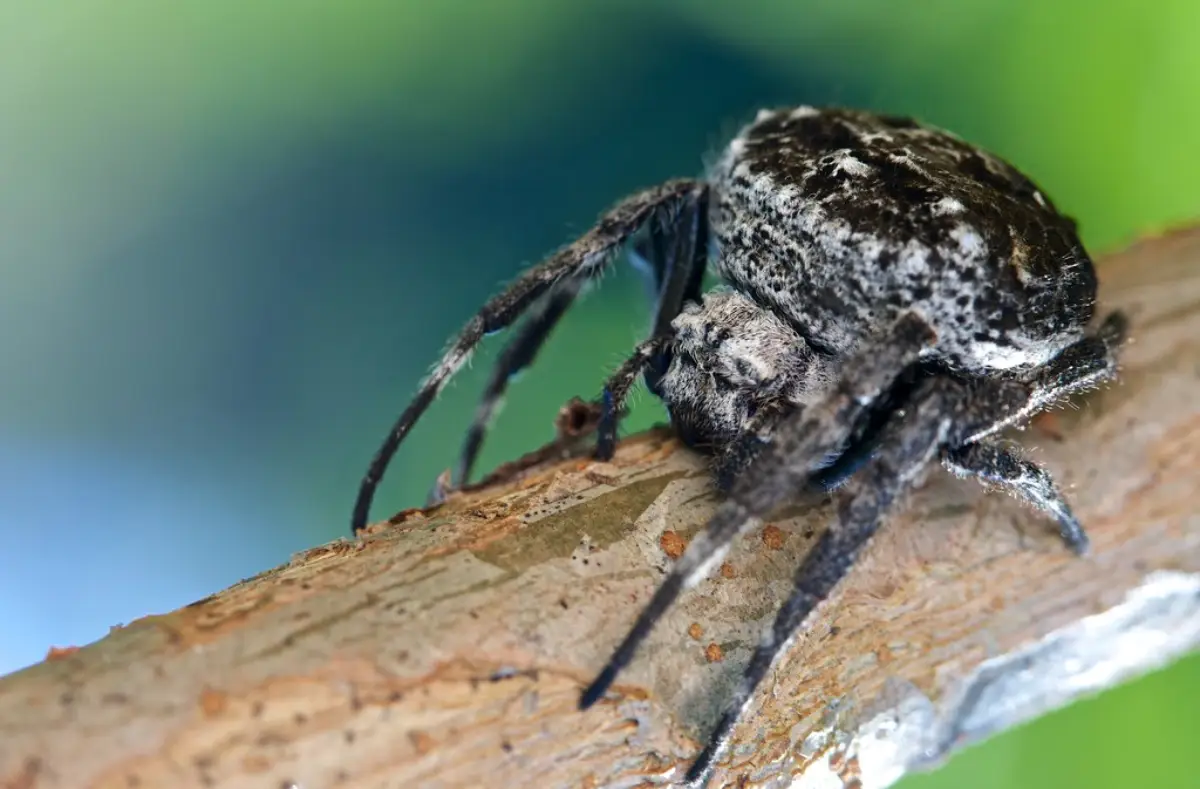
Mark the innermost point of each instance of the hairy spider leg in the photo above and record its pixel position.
(937, 419)
(679, 257)
(515, 357)
(734, 458)
(675, 272)
(840, 464)
(676, 255)
(1002, 466)
(587, 257)
(827, 476)
(907, 445)
(616, 391)
(780, 471)
(1081, 366)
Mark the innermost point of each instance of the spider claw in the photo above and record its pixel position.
(1114, 330)
(1081, 546)
(1003, 466)
(1072, 532)
(606, 439)
(702, 768)
(599, 687)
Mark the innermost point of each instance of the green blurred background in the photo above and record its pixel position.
(234, 235)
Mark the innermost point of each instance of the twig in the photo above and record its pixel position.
(448, 649)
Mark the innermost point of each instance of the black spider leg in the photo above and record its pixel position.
(616, 390)
(516, 356)
(940, 416)
(675, 274)
(732, 460)
(587, 257)
(781, 470)
(678, 255)
(1001, 466)
(1083, 365)
(906, 446)
(839, 466)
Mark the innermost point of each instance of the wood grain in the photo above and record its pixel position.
(448, 648)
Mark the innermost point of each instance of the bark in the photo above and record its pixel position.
(448, 648)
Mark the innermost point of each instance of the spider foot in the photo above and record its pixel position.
(1002, 466)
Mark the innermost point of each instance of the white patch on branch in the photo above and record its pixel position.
(1156, 623)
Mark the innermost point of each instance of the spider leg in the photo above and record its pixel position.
(679, 261)
(515, 357)
(587, 257)
(840, 464)
(616, 391)
(1084, 365)
(675, 270)
(999, 404)
(906, 446)
(733, 461)
(680, 256)
(1002, 466)
(781, 470)
(729, 464)
(677, 256)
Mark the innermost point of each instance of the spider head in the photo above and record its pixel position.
(730, 358)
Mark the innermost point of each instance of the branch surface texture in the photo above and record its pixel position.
(448, 648)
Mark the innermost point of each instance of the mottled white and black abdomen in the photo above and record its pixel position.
(840, 221)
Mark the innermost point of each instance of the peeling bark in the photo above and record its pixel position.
(448, 647)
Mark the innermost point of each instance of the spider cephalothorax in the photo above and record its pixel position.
(892, 297)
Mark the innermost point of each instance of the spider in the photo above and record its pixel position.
(892, 298)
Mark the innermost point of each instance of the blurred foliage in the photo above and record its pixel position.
(234, 235)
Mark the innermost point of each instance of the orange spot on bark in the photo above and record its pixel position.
(421, 741)
(772, 536)
(672, 544)
(727, 570)
(695, 631)
(713, 653)
(213, 702)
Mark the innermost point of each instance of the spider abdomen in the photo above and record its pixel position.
(840, 221)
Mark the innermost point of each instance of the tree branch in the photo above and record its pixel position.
(448, 649)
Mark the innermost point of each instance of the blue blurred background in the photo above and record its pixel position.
(234, 235)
